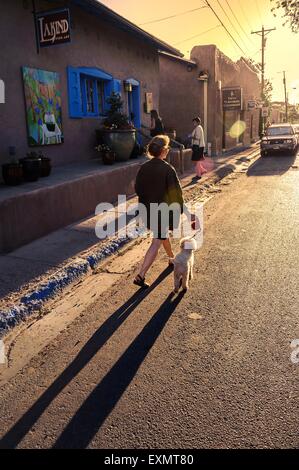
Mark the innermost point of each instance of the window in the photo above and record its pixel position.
(90, 98)
(93, 96)
(101, 96)
(284, 130)
(88, 90)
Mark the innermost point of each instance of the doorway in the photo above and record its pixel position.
(133, 99)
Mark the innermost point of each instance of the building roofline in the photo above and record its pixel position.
(96, 8)
(192, 63)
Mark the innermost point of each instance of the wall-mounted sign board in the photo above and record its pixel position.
(232, 99)
(148, 102)
(251, 104)
(53, 27)
(2, 92)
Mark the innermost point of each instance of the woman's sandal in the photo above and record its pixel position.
(140, 281)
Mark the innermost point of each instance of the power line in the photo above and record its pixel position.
(231, 23)
(221, 22)
(197, 35)
(173, 16)
(257, 4)
(236, 18)
(255, 53)
(244, 14)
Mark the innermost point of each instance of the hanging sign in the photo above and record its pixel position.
(2, 92)
(53, 27)
(148, 102)
(232, 99)
(251, 104)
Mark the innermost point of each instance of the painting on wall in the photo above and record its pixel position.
(43, 107)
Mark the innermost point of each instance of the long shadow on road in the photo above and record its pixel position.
(274, 165)
(15, 435)
(97, 407)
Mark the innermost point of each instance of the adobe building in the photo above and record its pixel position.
(57, 68)
(223, 93)
(104, 52)
(277, 112)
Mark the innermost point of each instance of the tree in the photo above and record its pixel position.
(267, 95)
(255, 66)
(268, 87)
(116, 119)
(291, 12)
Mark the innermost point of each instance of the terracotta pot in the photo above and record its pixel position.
(12, 174)
(45, 167)
(121, 142)
(31, 168)
(108, 158)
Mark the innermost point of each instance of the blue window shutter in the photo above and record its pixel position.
(110, 87)
(113, 86)
(107, 92)
(117, 86)
(74, 89)
(137, 107)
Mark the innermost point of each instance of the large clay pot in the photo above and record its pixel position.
(45, 167)
(31, 168)
(108, 157)
(121, 142)
(12, 173)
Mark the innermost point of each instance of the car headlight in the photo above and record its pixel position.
(290, 141)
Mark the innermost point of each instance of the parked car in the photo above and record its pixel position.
(296, 128)
(279, 138)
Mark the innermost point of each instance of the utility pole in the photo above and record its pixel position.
(286, 100)
(263, 33)
(285, 95)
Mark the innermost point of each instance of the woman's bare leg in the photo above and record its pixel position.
(198, 168)
(167, 248)
(150, 256)
(202, 168)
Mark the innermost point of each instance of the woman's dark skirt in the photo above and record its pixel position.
(197, 153)
(161, 228)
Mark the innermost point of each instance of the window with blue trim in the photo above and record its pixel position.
(88, 90)
(93, 96)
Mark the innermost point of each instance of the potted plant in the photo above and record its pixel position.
(137, 151)
(31, 166)
(45, 166)
(118, 133)
(108, 156)
(12, 172)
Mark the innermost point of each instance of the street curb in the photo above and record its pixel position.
(34, 301)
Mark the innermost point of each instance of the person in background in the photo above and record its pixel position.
(198, 146)
(157, 182)
(157, 126)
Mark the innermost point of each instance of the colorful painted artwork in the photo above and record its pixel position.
(43, 107)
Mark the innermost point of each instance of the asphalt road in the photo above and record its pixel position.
(209, 369)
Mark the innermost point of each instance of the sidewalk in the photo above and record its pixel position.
(37, 272)
(34, 210)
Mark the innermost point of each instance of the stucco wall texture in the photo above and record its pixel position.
(181, 95)
(94, 43)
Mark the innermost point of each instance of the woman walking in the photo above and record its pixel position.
(157, 182)
(157, 126)
(198, 146)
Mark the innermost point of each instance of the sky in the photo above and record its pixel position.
(239, 16)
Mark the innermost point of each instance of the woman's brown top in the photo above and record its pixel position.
(158, 182)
